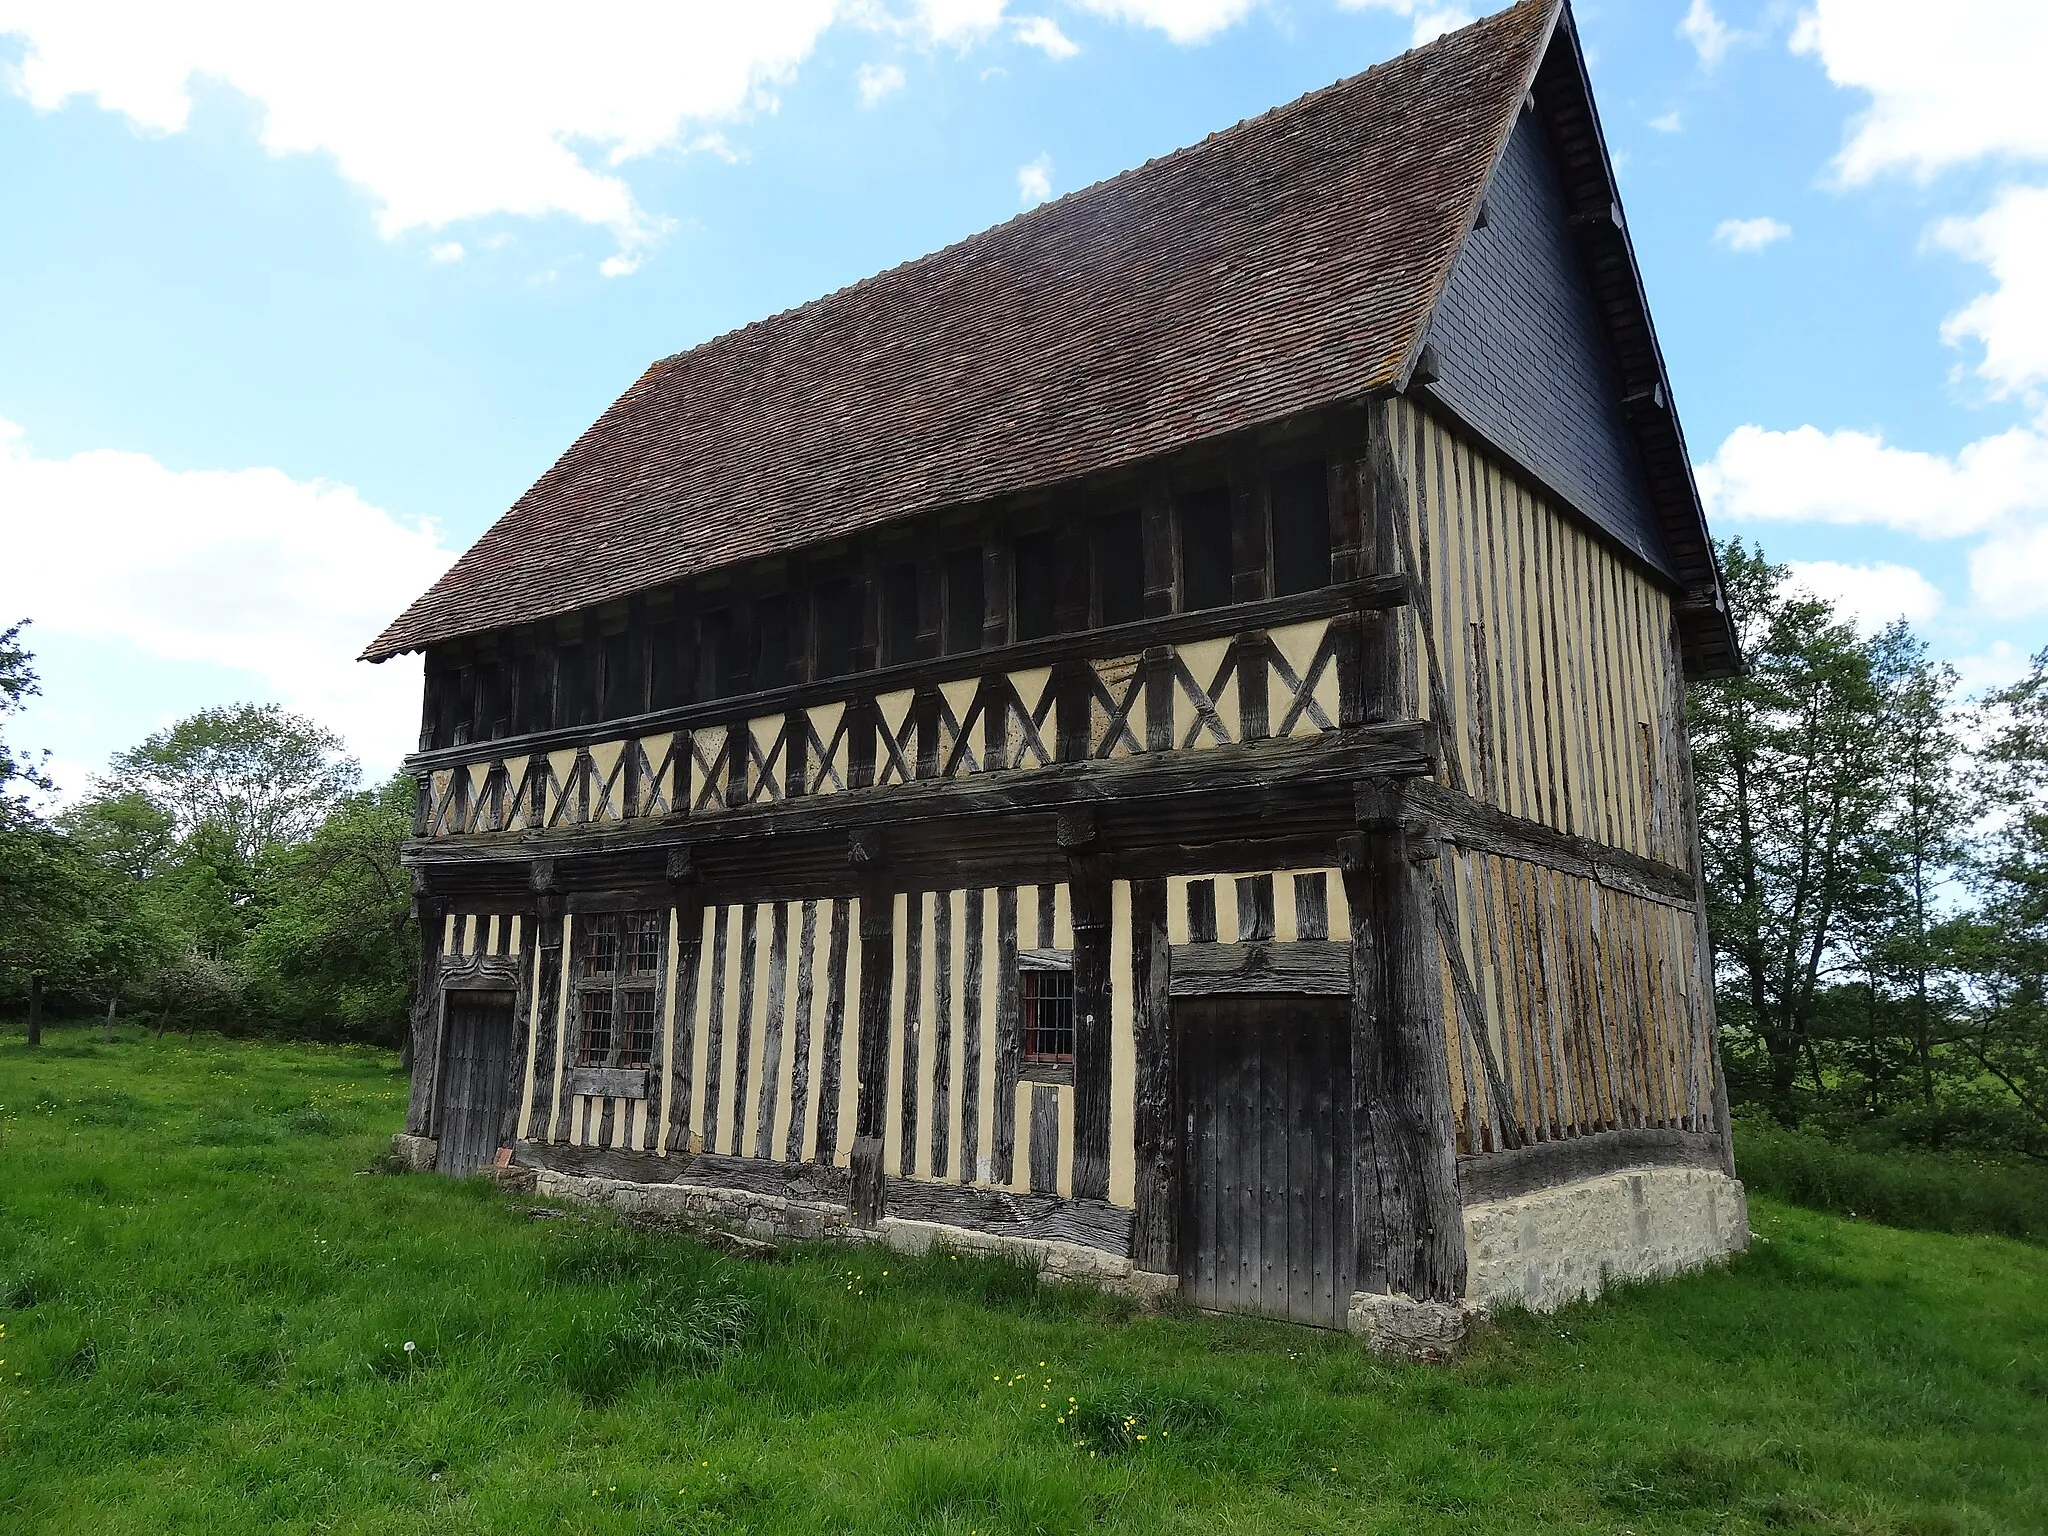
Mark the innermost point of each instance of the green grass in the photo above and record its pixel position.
(1947, 1192)
(207, 1308)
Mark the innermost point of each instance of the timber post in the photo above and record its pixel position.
(866, 1189)
(423, 1041)
(1089, 880)
(1410, 1225)
(1156, 1146)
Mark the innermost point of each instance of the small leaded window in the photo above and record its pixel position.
(1047, 997)
(617, 992)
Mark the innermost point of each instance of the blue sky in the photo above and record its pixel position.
(297, 302)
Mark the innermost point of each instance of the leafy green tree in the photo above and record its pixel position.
(1913, 946)
(127, 832)
(333, 950)
(1789, 757)
(261, 774)
(2007, 1033)
(37, 888)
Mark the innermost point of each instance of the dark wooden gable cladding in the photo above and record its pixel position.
(1280, 266)
(1520, 353)
(1565, 113)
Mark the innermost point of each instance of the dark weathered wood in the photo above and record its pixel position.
(971, 1003)
(1499, 1104)
(1266, 1220)
(1162, 549)
(789, 1181)
(913, 1005)
(714, 1026)
(1382, 591)
(1411, 1237)
(474, 1079)
(826, 1147)
(1045, 1140)
(1003, 1144)
(610, 1082)
(1154, 1137)
(682, 1067)
(1312, 907)
(1005, 1213)
(942, 1033)
(1202, 911)
(877, 977)
(1254, 909)
(772, 1030)
(1305, 969)
(800, 1064)
(1196, 797)
(1091, 893)
(425, 1022)
(1470, 824)
(1544, 1165)
(743, 1030)
(605, 1112)
(547, 960)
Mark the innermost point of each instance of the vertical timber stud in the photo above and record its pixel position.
(877, 982)
(426, 1014)
(1154, 1191)
(1089, 876)
(1410, 1220)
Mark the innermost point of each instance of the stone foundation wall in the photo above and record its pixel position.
(772, 1216)
(1550, 1247)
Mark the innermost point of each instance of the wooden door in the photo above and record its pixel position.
(476, 1064)
(1266, 1188)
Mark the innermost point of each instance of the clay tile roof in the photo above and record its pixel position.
(1280, 265)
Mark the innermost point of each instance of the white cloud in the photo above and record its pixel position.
(1034, 181)
(1748, 235)
(2011, 322)
(1428, 18)
(1946, 87)
(1670, 122)
(1995, 666)
(1856, 478)
(1044, 34)
(1184, 21)
(446, 251)
(958, 21)
(619, 264)
(1870, 596)
(1995, 491)
(443, 112)
(1710, 36)
(286, 579)
(876, 81)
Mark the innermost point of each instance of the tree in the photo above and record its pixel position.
(1792, 785)
(2007, 1034)
(261, 774)
(332, 951)
(1922, 822)
(35, 885)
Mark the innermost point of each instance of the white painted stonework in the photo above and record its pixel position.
(1554, 1246)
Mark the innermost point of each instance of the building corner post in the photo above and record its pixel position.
(1408, 1214)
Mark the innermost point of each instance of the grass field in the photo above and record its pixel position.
(213, 1322)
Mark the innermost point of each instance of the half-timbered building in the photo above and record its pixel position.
(1154, 734)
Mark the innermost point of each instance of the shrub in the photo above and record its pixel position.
(1924, 1190)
